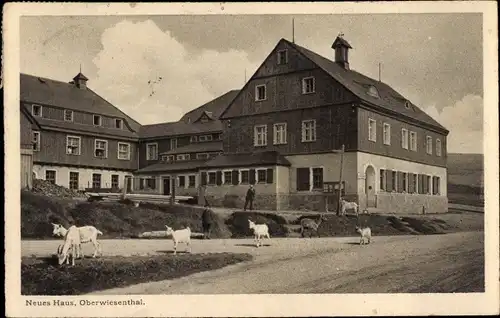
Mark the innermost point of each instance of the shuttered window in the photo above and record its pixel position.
(252, 176)
(303, 179)
(270, 174)
(261, 175)
(218, 176)
(421, 184)
(192, 181)
(435, 185)
(245, 177)
(235, 176)
(228, 177)
(317, 178)
(203, 178)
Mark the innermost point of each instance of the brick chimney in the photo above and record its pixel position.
(341, 48)
(80, 81)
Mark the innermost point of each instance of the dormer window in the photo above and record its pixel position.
(36, 110)
(97, 120)
(118, 123)
(372, 91)
(68, 115)
(308, 85)
(407, 104)
(194, 139)
(282, 57)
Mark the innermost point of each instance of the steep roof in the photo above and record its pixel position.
(179, 128)
(46, 91)
(359, 84)
(214, 108)
(248, 159)
(211, 146)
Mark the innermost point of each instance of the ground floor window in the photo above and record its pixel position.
(227, 177)
(317, 174)
(212, 178)
(245, 176)
(182, 181)
(73, 180)
(96, 180)
(114, 181)
(383, 180)
(151, 183)
(394, 181)
(435, 185)
(192, 181)
(261, 176)
(50, 175)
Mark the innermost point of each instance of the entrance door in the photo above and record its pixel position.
(166, 185)
(370, 187)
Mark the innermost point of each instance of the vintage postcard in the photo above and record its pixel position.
(251, 159)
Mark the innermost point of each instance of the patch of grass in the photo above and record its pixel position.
(42, 276)
(115, 220)
(238, 223)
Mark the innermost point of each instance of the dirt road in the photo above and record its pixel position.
(437, 263)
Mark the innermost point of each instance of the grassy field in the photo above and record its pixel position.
(43, 276)
(465, 175)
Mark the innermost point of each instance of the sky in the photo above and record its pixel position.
(156, 68)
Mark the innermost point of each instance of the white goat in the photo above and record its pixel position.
(366, 233)
(71, 243)
(180, 236)
(259, 230)
(346, 205)
(87, 234)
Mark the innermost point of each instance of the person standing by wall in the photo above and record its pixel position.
(207, 221)
(249, 198)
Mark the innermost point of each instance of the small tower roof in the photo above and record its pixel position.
(80, 76)
(339, 41)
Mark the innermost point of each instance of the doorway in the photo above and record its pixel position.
(166, 185)
(370, 187)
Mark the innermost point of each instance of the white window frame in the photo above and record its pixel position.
(155, 157)
(256, 133)
(193, 139)
(224, 177)
(312, 133)
(182, 157)
(386, 134)
(36, 140)
(438, 147)
(205, 138)
(372, 131)
(283, 139)
(173, 143)
(127, 156)
(208, 178)
(55, 175)
(79, 148)
(311, 178)
(240, 176)
(119, 120)
(285, 52)
(33, 110)
(105, 148)
(68, 111)
(406, 184)
(413, 142)
(428, 145)
(77, 180)
(100, 120)
(257, 99)
(404, 138)
(304, 85)
(395, 182)
(178, 184)
(257, 176)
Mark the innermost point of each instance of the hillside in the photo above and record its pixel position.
(465, 178)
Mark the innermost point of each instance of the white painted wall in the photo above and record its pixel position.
(84, 175)
(330, 162)
(381, 162)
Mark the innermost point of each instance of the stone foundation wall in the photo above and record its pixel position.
(400, 203)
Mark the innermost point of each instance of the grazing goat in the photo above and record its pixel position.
(366, 233)
(259, 230)
(180, 236)
(71, 243)
(346, 205)
(87, 234)
(309, 224)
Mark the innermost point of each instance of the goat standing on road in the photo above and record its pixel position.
(309, 224)
(259, 230)
(71, 243)
(366, 233)
(87, 234)
(180, 236)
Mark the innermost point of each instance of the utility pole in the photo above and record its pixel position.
(293, 30)
(379, 72)
(341, 151)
